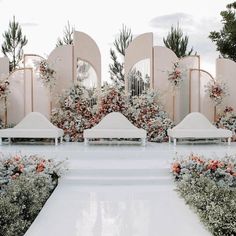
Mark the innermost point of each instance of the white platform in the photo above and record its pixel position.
(117, 191)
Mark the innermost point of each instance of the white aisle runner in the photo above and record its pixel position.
(105, 210)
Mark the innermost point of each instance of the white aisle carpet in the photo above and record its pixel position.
(117, 190)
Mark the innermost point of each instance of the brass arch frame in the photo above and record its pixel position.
(31, 78)
(199, 93)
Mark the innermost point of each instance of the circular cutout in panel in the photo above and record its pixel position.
(139, 78)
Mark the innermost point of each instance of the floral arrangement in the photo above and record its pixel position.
(26, 182)
(145, 112)
(227, 120)
(47, 74)
(111, 100)
(223, 172)
(4, 89)
(216, 91)
(74, 113)
(209, 187)
(175, 77)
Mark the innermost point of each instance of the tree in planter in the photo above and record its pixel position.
(67, 37)
(13, 45)
(116, 68)
(225, 39)
(177, 42)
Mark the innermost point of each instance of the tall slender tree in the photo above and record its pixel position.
(225, 39)
(13, 45)
(116, 68)
(177, 42)
(67, 36)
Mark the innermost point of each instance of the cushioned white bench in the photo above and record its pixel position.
(196, 126)
(34, 125)
(115, 125)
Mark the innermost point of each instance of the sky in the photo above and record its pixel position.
(43, 22)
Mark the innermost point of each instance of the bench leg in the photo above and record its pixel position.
(143, 142)
(61, 139)
(85, 141)
(56, 141)
(229, 141)
(9, 140)
(169, 139)
(175, 140)
(0, 141)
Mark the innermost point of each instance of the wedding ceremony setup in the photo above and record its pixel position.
(144, 147)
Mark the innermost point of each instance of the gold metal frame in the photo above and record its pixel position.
(199, 93)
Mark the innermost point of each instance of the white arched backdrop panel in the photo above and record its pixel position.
(182, 98)
(140, 48)
(226, 72)
(86, 49)
(164, 59)
(61, 60)
(19, 102)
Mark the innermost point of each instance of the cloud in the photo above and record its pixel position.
(198, 30)
(165, 21)
(29, 24)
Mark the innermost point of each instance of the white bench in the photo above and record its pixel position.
(34, 125)
(196, 126)
(115, 126)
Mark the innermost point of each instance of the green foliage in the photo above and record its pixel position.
(116, 68)
(21, 202)
(216, 205)
(67, 37)
(13, 45)
(209, 187)
(177, 42)
(225, 39)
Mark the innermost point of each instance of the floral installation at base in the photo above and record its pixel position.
(26, 182)
(209, 187)
(47, 74)
(74, 113)
(145, 112)
(111, 100)
(227, 120)
(217, 91)
(175, 76)
(4, 89)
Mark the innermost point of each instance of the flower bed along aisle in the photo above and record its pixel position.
(26, 182)
(209, 187)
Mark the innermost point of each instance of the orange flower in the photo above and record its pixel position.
(40, 167)
(15, 176)
(21, 167)
(176, 167)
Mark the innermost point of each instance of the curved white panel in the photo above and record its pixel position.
(19, 101)
(86, 49)
(164, 58)
(61, 60)
(226, 71)
(140, 48)
(182, 101)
